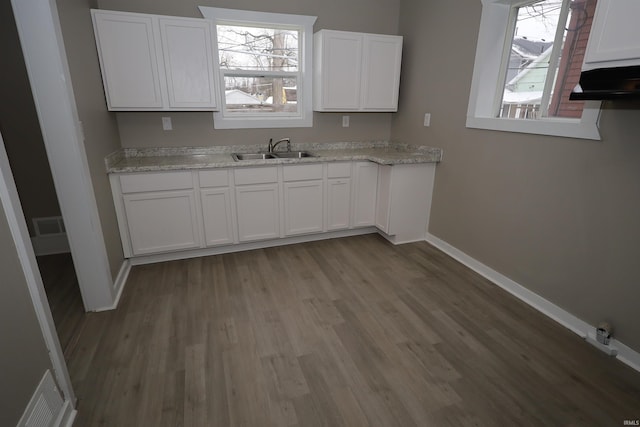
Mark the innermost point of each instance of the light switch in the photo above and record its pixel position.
(166, 123)
(345, 121)
(427, 119)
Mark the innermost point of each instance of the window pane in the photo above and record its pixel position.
(253, 48)
(531, 55)
(571, 58)
(261, 94)
(529, 60)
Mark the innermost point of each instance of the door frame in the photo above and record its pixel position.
(10, 201)
(45, 58)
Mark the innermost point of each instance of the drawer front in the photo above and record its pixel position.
(256, 175)
(302, 172)
(160, 181)
(339, 170)
(215, 178)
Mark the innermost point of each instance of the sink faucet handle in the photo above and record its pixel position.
(270, 146)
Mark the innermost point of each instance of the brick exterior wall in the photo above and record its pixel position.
(571, 60)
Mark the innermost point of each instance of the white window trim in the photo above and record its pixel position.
(494, 25)
(305, 84)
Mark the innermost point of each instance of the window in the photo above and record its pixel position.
(528, 60)
(265, 69)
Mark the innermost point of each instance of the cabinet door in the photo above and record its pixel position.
(303, 207)
(258, 212)
(364, 198)
(128, 59)
(383, 199)
(162, 221)
(188, 63)
(338, 203)
(218, 216)
(614, 34)
(338, 70)
(381, 72)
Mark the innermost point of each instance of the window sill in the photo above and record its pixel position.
(221, 122)
(560, 127)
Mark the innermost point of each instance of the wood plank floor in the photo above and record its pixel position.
(63, 294)
(345, 332)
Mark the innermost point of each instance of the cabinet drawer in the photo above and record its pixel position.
(136, 183)
(256, 175)
(216, 178)
(339, 170)
(302, 172)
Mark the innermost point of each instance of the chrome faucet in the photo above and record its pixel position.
(272, 145)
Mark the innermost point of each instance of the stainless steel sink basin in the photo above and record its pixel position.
(292, 154)
(252, 156)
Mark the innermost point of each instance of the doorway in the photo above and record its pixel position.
(25, 148)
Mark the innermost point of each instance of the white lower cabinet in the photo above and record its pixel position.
(162, 221)
(258, 212)
(365, 182)
(403, 202)
(218, 208)
(338, 202)
(303, 199)
(217, 216)
(160, 212)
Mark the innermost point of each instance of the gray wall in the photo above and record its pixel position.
(24, 357)
(99, 125)
(196, 129)
(560, 216)
(21, 129)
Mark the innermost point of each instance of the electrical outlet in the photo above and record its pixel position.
(427, 119)
(166, 123)
(345, 121)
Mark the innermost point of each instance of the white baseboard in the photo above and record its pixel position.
(50, 244)
(625, 354)
(118, 285)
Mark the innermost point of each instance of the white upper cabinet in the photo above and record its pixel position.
(614, 40)
(152, 62)
(128, 59)
(188, 62)
(356, 71)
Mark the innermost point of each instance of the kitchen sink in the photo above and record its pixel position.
(267, 156)
(292, 154)
(252, 156)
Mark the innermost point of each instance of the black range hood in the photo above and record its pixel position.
(608, 83)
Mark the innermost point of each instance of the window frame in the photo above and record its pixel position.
(304, 84)
(496, 24)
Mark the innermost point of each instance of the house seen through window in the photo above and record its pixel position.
(545, 55)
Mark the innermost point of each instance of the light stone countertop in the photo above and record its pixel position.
(183, 158)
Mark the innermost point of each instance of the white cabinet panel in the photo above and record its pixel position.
(356, 71)
(381, 80)
(128, 58)
(614, 39)
(258, 212)
(217, 214)
(365, 177)
(338, 203)
(404, 201)
(189, 70)
(153, 62)
(162, 221)
(303, 203)
(156, 181)
(338, 62)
